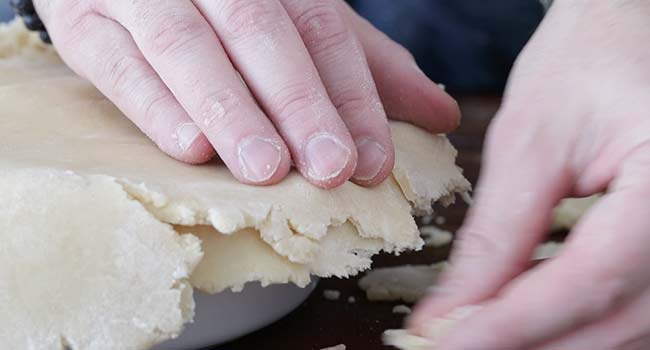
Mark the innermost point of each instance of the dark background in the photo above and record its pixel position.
(468, 45)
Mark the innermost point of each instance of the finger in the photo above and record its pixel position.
(107, 56)
(576, 289)
(267, 50)
(626, 329)
(344, 70)
(406, 92)
(184, 50)
(518, 189)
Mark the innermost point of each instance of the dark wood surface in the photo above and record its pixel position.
(320, 323)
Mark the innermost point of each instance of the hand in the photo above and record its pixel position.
(575, 121)
(313, 79)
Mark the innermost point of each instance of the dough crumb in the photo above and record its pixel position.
(435, 236)
(547, 250)
(408, 283)
(401, 309)
(331, 294)
(442, 86)
(440, 220)
(338, 347)
(427, 219)
(467, 198)
(352, 300)
(570, 210)
(432, 333)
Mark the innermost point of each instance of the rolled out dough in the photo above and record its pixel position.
(95, 188)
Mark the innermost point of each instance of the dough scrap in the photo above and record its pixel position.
(547, 250)
(331, 294)
(435, 236)
(570, 210)
(438, 328)
(111, 277)
(338, 347)
(408, 283)
(401, 309)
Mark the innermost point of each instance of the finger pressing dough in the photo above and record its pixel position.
(77, 147)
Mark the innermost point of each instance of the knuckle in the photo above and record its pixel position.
(245, 18)
(173, 33)
(351, 101)
(217, 110)
(155, 106)
(70, 24)
(322, 28)
(287, 103)
(122, 73)
(69, 13)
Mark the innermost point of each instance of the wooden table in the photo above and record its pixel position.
(320, 323)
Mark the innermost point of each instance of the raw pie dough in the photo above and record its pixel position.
(92, 210)
(570, 210)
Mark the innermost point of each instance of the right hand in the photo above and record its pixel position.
(316, 82)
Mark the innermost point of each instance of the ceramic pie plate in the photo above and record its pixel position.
(227, 316)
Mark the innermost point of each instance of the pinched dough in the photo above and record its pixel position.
(433, 332)
(570, 210)
(89, 162)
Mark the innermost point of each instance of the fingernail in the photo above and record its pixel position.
(259, 158)
(372, 158)
(186, 134)
(326, 156)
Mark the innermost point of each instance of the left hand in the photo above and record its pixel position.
(575, 121)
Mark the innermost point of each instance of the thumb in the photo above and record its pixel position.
(522, 179)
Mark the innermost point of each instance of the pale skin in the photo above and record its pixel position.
(574, 122)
